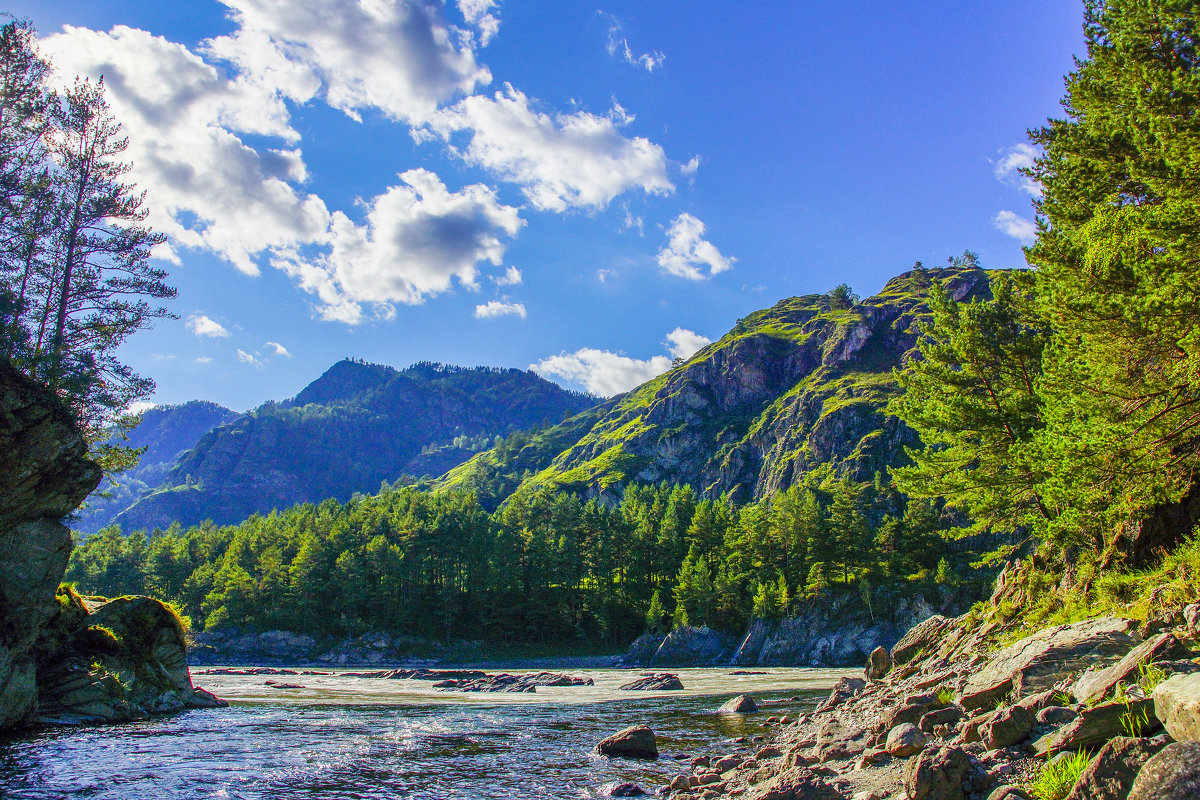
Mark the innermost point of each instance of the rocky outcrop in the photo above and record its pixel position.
(1096, 683)
(1111, 774)
(44, 475)
(690, 647)
(61, 662)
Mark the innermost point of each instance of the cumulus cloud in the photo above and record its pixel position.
(479, 13)
(511, 277)
(253, 359)
(687, 252)
(401, 58)
(682, 343)
(418, 238)
(206, 188)
(561, 161)
(1020, 228)
(1012, 161)
(498, 308)
(279, 349)
(602, 372)
(605, 373)
(203, 325)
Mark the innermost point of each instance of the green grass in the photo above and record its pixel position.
(1059, 777)
(1150, 675)
(946, 695)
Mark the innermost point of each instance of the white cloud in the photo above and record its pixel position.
(687, 252)
(398, 57)
(691, 166)
(602, 372)
(1014, 225)
(279, 349)
(561, 161)
(478, 13)
(682, 343)
(511, 277)
(605, 274)
(497, 308)
(619, 46)
(139, 406)
(418, 238)
(205, 187)
(203, 359)
(1007, 169)
(252, 359)
(202, 325)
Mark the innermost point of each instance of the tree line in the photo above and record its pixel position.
(546, 567)
(75, 272)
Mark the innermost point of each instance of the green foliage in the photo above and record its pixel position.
(945, 695)
(1150, 675)
(1118, 270)
(1058, 777)
(1134, 724)
(656, 615)
(972, 398)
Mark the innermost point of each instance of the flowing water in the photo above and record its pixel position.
(343, 738)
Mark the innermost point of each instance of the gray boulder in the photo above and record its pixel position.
(1035, 663)
(1094, 684)
(905, 740)
(1008, 726)
(878, 663)
(1177, 706)
(636, 741)
(1172, 774)
(1111, 773)
(937, 774)
(689, 647)
(742, 704)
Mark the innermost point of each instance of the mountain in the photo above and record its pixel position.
(354, 427)
(165, 432)
(790, 389)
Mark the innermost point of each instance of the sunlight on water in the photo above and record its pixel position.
(342, 738)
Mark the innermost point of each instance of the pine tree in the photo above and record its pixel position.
(1118, 266)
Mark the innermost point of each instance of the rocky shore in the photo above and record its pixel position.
(956, 710)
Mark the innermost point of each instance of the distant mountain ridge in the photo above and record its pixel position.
(354, 427)
(794, 388)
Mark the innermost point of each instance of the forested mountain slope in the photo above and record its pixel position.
(789, 390)
(165, 432)
(353, 428)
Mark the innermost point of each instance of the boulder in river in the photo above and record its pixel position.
(655, 682)
(742, 704)
(636, 741)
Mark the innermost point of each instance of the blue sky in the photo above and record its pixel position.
(589, 189)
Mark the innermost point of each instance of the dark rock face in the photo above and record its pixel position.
(44, 475)
(688, 647)
(1172, 774)
(634, 742)
(1111, 774)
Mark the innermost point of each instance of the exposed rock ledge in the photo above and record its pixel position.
(60, 662)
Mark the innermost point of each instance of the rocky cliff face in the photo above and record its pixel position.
(791, 388)
(44, 475)
(59, 660)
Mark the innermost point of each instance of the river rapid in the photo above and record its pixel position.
(344, 738)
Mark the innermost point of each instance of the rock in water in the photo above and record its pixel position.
(634, 742)
(878, 663)
(1111, 773)
(1177, 706)
(1172, 774)
(742, 704)
(655, 682)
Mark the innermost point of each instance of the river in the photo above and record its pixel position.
(344, 738)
